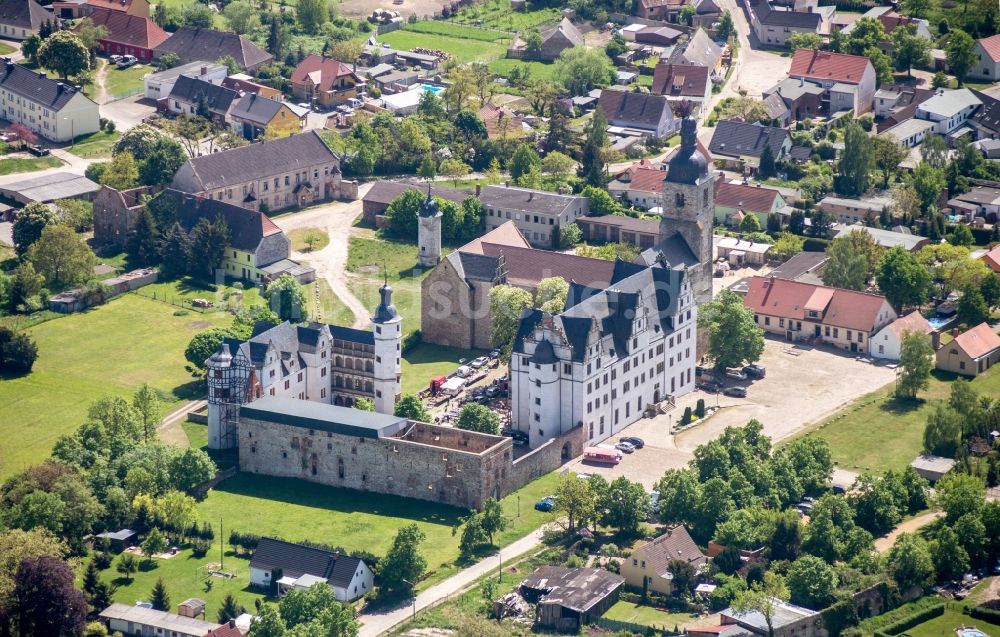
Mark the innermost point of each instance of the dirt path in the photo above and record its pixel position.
(883, 544)
(100, 82)
(170, 430)
(337, 219)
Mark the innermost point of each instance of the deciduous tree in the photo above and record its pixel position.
(734, 337)
(62, 257)
(410, 406)
(916, 361)
(287, 298)
(476, 417)
(960, 53)
(506, 304)
(64, 53)
(403, 565)
(45, 601)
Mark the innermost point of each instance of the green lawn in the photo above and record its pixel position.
(540, 70)
(110, 349)
(181, 292)
(298, 239)
(451, 29)
(331, 309)
(877, 432)
(945, 625)
(461, 49)
(368, 257)
(13, 165)
(125, 82)
(94, 146)
(6, 48)
(497, 14)
(647, 615)
(426, 360)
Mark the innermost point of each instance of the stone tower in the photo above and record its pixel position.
(387, 327)
(689, 207)
(429, 232)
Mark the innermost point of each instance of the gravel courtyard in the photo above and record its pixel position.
(802, 387)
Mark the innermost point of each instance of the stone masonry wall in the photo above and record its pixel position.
(546, 458)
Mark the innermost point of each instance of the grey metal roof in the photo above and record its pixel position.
(184, 69)
(35, 86)
(296, 560)
(577, 589)
(795, 19)
(50, 187)
(526, 199)
(784, 613)
(307, 414)
(157, 619)
(950, 103)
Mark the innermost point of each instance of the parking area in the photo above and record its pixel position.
(803, 385)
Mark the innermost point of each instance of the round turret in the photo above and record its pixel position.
(688, 165)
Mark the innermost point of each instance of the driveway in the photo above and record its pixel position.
(337, 219)
(129, 112)
(803, 386)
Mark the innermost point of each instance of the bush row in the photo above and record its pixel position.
(910, 621)
(985, 614)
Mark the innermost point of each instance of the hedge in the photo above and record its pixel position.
(910, 621)
(985, 614)
(815, 244)
(839, 617)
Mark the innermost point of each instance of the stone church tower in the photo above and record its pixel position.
(387, 326)
(429, 232)
(689, 207)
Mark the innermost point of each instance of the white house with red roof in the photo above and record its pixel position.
(799, 311)
(992, 259)
(988, 55)
(848, 80)
(888, 341)
(641, 184)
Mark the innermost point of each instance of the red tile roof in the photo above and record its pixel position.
(824, 65)
(527, 266)
(114, 5)
(506, 234)
(680, 80)
(752, 198)
(992, 259)
(131, 30)
(647, 180)
(492, 117)
(978, 341)
(912, 322)
(891, 21)
(992, 47)
(327, 71)
(790, 299)
(228, 629)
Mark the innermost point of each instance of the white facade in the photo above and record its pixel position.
(948, 109)
(159, 85)
(387, 326)
(987, 65)
(79, 116)
(429, 233)
(362, 582)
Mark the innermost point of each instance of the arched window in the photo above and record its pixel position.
(369, 366)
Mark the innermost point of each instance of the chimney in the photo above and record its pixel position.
(479, 189)
(936, 340)
(954, 332)
(41, 74)
(531, 195)
(59, 87)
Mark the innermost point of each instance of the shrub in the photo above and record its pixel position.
(986, 614)
(699, 409)
(909, 621)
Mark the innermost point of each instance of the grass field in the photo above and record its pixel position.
(124, 82)
(427, 360)
(451, 29)
(331, 309)
(110, 349)
(13, 165)
(461, 49)
(367, 258)
(298, 239)
(858, 444)
(497, 14)
(94, 146)
(540, 70)
(647, 615)
(945, 625)
(6, 48)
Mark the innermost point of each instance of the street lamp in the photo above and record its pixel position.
(72, 136)
(412, 586)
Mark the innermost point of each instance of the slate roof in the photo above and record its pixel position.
(525, 199)
(35, 86)
(791, 299)
(680, 80)
(324, 71)
(296, 560)
(742, 139)
(190, 44)
(385, 191)
(991, 46)
(247, 228)
(825, 65)
(674, 249)
(24, 14)
(259, 160)
(989, 115)
(978, 341)
(744, 197)
(254, 108)
(308, 414)
(193, 90)
(701, 50)
(628, 224)
(130, 30)
(633, 109)
(675, 544)
(794, 19)
(577, 589)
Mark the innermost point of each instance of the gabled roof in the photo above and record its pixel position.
(628, 224)
(527, 266)
(795, 19)
(680, 80)
(824, 65)
(675, 544)
(526, 199)
(912, 322)
(991, 46)
(24, 14)
(296, 560)
(633, 109)
(564, 29)
(190, 44)
(194, 90)
(992, 258)
(247, 228)
(506, 234)
(701, 50)
(114, 5)
(978, 341)
(131, 30)
(324, 71)
(257, 109)
(792, 299)
(258, 160)
(500, 121)
(384, 191)
(35, 86)
(947, 103)
(577, 589)
(742, 139)
(744, 197)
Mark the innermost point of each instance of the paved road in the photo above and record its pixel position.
(337, 219)
(376, 624)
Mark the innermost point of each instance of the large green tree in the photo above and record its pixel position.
(909, 49)
(64, 53)
(811, 582)
(410, 406)
(403, 566)
(476, 417)
(581, 69)
(846, 266)
(209, 240)
(595, 150)
(62, 257)
(902, 278)
(29, 223)
(960, 53)
(734, 337)
(909, 562)
(506, 304)
(287, 298)
(916, 361)
(856, 162)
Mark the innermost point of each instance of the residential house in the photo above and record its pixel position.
(538, 214)
(662, 10)
(700, 50)
(272, 175)
(774, 25)
(970, 353)
(192, 43)
(786, 620)
(396, 81)
(138, 621)
(254, 117)
(988, 60)
(909, 134)
(992, 259)
(324, 81)
(295, 567)
(21, 18)
(559, 38)
(383, 192)
(244, 84)
(803, 99)
(158, 85)
(571, 598)
(682, 82)
(757, 199)
(849, 80)
(641, 233)
(982, 201)
(648, 568)
(740, 253)
(641, 113)
(72, 9)
(986, 119)
(641, 185)
(55, 110)
(741, 144)
(845, 319)
(887, 239)
(948, 110)
(888, 342)
(127, 34)
(851, 211)
(193, 96)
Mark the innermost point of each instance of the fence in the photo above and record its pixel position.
(176, 301)
(640, 629)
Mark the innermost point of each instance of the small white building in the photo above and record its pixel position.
(296, 567)
(909, 134)
(949, 110)
(138, 620)
(988, 60)
(740, 253)
(159, 85)
(887, 342)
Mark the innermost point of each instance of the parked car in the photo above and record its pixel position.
(709, 386)
(654, 501)
(754, 371)
(38, 151)
(127, 61)
(736, 391)
(546, 504)
(495, 354)
(736, 374)
(700, 371)
(838, 490)
(307, 106)
(625, 447)
(479, 362)
(115, 59)
(638, 443)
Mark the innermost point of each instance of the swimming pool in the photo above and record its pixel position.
(970, 632)
(938, 322)
(430, 88)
